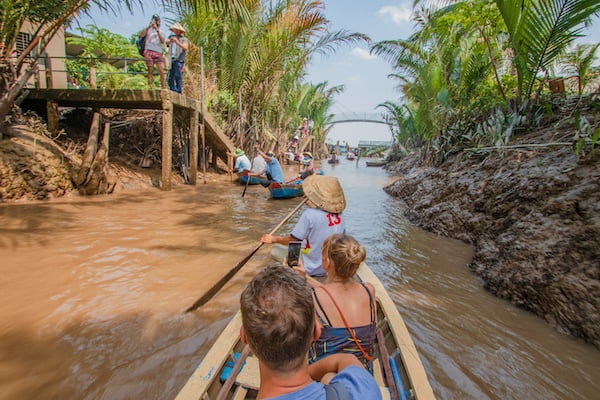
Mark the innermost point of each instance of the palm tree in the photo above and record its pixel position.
(540, 31)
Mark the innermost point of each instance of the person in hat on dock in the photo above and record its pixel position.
(178, 45)
(323, 218)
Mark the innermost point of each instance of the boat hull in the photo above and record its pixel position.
(375, 163)
(254, 180)
(396, 361)
(286, 190)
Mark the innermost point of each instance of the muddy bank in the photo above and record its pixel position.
(533, 216)
(36, 165)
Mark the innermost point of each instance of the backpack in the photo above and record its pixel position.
(140, 42)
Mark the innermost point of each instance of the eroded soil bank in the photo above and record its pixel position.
(533, 216)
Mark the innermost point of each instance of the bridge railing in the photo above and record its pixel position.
(55, 72)
(360, 117)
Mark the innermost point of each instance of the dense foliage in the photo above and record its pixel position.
(477, 71)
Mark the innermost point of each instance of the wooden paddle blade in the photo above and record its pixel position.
(217, 286)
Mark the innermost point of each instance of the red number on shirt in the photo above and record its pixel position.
(334, 219)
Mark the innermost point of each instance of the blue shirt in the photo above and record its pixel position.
(357, 381)
(242, 162)
(274, 168)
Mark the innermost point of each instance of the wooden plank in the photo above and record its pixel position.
(249, 376)
(167, 143)
(240, 393)
(410, 357)
(210, 367)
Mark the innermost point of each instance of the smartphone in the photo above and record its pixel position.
(293, 253)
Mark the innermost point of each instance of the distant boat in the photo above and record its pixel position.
(286, 190)
(333, 159)
(350, 156)
(376, 163)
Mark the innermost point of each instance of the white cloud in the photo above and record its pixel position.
(363, 53)
(397, 14)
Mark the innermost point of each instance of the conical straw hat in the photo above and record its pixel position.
(325, 192)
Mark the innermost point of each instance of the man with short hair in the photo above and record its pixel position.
(154, 40)
(278, 323)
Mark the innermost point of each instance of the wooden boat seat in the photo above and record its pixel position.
(249, 378)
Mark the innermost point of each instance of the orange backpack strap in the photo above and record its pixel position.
(367, 356)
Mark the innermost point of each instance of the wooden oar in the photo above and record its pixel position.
(217, 286)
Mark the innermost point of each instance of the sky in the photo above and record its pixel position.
(364, 77)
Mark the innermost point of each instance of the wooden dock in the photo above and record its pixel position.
(202, 125)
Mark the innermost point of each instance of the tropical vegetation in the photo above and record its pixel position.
(255, 55)
(475, 72)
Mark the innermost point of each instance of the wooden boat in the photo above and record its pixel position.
(254, 180)
(333, 160)
(376, 163)
(397, 367)
(286, 190)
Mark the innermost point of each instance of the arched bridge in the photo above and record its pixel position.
(376, 118)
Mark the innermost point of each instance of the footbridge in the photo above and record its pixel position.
(376, 118)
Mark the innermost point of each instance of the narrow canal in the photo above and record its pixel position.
(93, 293)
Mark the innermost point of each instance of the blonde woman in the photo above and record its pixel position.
(344, 306)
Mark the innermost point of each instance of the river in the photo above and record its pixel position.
(93, 292)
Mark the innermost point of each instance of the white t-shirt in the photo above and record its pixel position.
(313, 227)
(258, 164)
(152, 40)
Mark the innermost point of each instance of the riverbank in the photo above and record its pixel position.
(35, 165)
(532, 215)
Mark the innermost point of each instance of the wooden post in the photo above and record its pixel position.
(52, 116)
(93, 77)
(194, 145)
(49, 77)
(167, 140)
(90, 150)
(202, 125)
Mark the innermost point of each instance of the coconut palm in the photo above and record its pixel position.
(540, 31)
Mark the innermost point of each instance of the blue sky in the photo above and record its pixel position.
(363, 76)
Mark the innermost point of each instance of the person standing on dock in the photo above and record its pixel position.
(153, 51)
(278, 324)
(178, 45)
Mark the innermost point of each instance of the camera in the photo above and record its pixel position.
(293, 254)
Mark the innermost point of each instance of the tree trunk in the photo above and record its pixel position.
(90, 150)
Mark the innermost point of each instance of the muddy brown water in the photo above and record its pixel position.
(92, 294)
